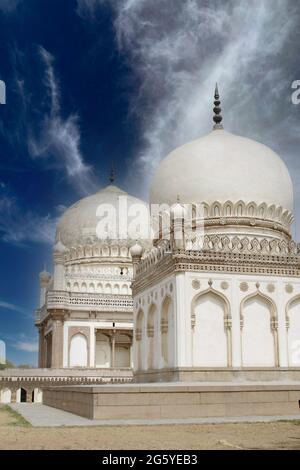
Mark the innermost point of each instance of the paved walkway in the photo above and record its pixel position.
(44, 416)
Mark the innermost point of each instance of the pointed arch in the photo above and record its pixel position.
(167, 331)
(258, 321)
(152, 336)
(292, 318)
(140, 339)
(211, 329)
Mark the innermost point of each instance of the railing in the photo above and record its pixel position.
(76, 300)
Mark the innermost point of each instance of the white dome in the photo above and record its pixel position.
(79, 223)
(223, 167)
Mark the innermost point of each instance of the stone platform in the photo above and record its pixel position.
(177, 400)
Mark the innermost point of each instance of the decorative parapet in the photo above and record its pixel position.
(221, 254)
(15, 377)
(63, 300)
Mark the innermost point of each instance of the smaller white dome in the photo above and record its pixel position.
(78, 225)
(59, 247)
(136, 251)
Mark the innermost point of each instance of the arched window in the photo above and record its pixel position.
(140, 340)
(293, 331)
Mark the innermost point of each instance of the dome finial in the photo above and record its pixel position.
(217, 110)
(112, 175)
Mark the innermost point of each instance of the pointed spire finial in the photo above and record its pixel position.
(217, 110)
(112, 175)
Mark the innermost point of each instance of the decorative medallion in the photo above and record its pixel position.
(171, 287)
(244, 286)
(257, 285)
(196, 284)
(270, 288)
(162, 292)
(289, 288)
(210, 282)
(224, 285)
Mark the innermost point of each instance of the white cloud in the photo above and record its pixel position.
(9, 5)
(26, 346)
(14, 308)
(60, 138)
(178, 50)
(20, 226)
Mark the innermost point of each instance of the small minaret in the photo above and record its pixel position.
(112, 175)
(217, 110)
(59, 265)
(44, 281)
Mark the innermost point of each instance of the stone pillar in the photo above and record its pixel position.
(113, 349)
(57, 342)
(41, 347)
(13, 398)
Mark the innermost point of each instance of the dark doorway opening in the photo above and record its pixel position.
(23, 395)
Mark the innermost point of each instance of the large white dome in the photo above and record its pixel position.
(223, 167)
(79, 223)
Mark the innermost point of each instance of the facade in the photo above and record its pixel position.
(221, 299)
(85, 316)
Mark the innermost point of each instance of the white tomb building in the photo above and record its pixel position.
(220, 297)
(85, 318)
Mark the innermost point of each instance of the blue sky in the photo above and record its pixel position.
(90, 82)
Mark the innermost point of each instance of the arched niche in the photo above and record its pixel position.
(293, 331)
(151, 334)
(140, 339)
(167, 332)
(78, 351)
(258, 320)
(211, 330)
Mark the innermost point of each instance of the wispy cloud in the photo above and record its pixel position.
(15, 308)
(20, 226)
(178, 50)
(59, 138)
(9, 5)
(26, 346)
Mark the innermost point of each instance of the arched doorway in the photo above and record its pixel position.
(23, 395)
(259, 337)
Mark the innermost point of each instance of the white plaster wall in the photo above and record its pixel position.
(103, 353)
(38, 395)
(122, 356)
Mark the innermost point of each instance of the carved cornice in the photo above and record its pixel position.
(222, 255)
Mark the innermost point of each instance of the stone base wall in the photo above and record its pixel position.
(226, 374)
(175, 401)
